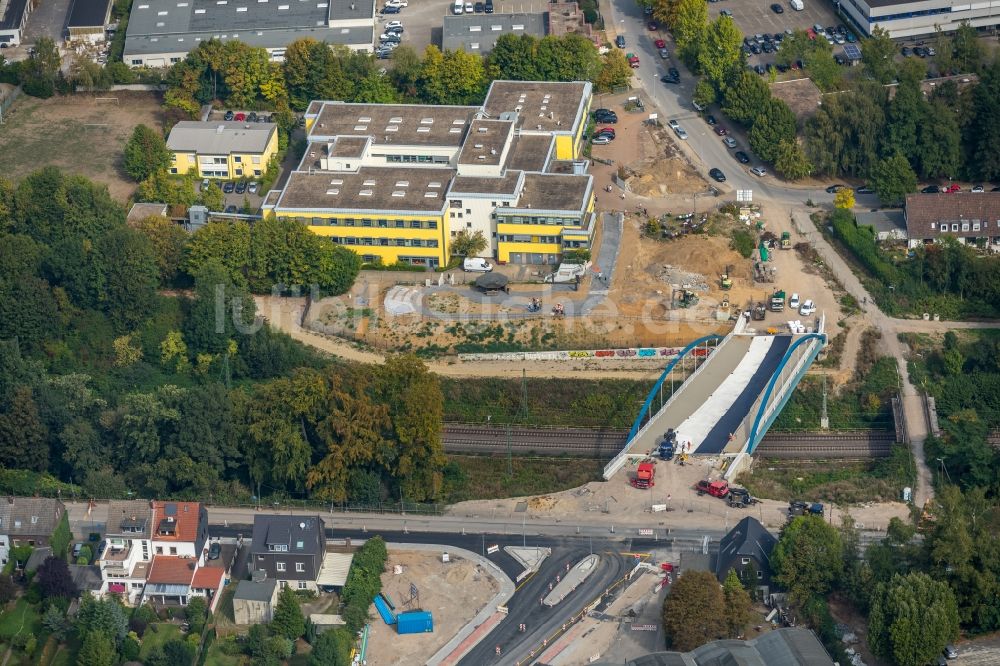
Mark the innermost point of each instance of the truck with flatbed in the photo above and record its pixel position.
(718, 488)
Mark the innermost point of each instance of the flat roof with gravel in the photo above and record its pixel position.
(403, 190)
(400, 124)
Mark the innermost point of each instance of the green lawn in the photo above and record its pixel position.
(217, 658)
(22, 618)
(164, 633)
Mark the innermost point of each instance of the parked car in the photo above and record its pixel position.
(601, 140)
(710, 119)
(951, 189)
(808, 307)
(489, 6)
(229, 115)
(383, 53)
(214, 550)
(726, 12)
(717, 175)
(950, 652)
(394, 26)
(608, 131)
(390, 37)
(931, 189)
(977, 189)
(741, 157)
(864, 189)
(204, 184)
(230, 209)
(605, 116)
(228, 187)
(252, 187)
(660, 44)
(241, 187)
(653, 25)
(476, 265)
(720, 130)
(240, 117)
(665, 54)
(758, 171)
(729, 141)
(620, 41)
(673, 72)
(833, 189)
(252, 117)
(479, 7)
(777, 9)
(793, 302)
(391, 9)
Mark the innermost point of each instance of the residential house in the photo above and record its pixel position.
(222, 149)
(126, 552)
(397, 182)
(972, 218)
(28, 521)
(887, 225)
(747, 550)
(789, 646)
(254, 601)
(289, 549)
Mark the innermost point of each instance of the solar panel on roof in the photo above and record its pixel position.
(852, 51)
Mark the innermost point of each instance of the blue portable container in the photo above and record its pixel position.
(383, 610)
(414, 622)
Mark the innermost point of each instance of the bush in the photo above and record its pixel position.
(363, 582)
(742, 241)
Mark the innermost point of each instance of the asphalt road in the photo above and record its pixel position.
(673, 102)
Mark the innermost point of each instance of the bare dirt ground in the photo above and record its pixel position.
(453, 592)
(843, 613)
(76, 134)
(674, 487)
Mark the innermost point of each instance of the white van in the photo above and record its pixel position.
(457, 7)
(797, 5)
(476, 265)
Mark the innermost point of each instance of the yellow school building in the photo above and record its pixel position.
(224, 150)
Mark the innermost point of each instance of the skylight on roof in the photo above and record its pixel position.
(423, 130)
(199, 11)
(143, 7)
(455, 130)
(360, 128)
(399, 193)
(337, 181)
(182, 4)
(402, 183)
(241, 9)
(475, 28)
(369, 183)
(434, 184)
(430, 195)
(364, 119)
(395, 119)
(426, 121)
(282, 7)
(518, 26)
(365, 193)
(333, 192)
(458, 122)
(392, 128)
(161, 13)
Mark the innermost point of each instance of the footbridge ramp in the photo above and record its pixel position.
(727, 404)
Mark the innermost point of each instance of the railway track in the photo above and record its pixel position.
(593, 443)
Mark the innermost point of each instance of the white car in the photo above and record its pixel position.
(396, 3)
(393, 26)
(793, 302)
(470, 8)
(681, 134)
(758, 171)
(252, 189)
(729, 141)
(476, 265)
(808, 307)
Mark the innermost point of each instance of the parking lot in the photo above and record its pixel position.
(755, 16)
(421, 22)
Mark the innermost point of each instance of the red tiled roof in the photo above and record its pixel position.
(172, 570)
(208, 578)
(185, 521)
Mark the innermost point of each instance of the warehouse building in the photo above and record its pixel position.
(13, 18)
(397, 183)
(477, 33)
(161, 32)
(88, 20)
(912, 18)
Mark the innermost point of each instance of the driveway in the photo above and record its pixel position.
(47, 20)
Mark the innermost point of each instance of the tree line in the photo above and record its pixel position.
(133, 360)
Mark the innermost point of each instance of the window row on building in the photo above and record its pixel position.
(364, 222)
(384, 242)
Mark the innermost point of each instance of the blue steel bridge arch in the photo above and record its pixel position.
(774, 380)
(666, 373)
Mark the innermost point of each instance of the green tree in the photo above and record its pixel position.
(54, 579)
(738, 605)
(331, 648)
(23, 436)
(844, 199)
(212, 197)
(222, 308)
(939, 141)
(877, 53)
(288, 620)
(40, 71)
(721, 49)
(808, 558)
(705, 93)
(97, 650)
(145, 153)
(61, 536)
(844, 136)
(791, 161)
(168, 240)
(774, 123)
(968, 51)
(196, 614)
(513, 56)
(453, 77)
(983, 129)
(466, 244)
(892, 179)
(615, 71)
(694, 612)
(226, 242)
(823, 69)
(128, 268)
(689, 27)
(744, 96)
(912, 618)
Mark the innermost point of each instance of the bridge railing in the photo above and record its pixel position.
(638, 428)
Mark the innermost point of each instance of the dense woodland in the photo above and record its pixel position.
(132, 360)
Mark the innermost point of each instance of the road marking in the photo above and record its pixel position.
(525, 582)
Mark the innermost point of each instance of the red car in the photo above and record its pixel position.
(240, 117)
(721, 131)
(951, 189)
(608, 131)
(811, 33)
(660, 44)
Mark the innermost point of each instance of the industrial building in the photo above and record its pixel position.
(911, 18)
(88, 20)
(13, 18)
(397, 182)
(161, 32)
(477, 33)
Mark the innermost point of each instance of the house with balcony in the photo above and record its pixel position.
(225, 150)
(289, 549)
(29, 521)
(138, 532)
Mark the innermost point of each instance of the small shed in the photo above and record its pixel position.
(492, 281)
(323, 622)
(852, 54)
(254, 601)
(334, 571)
(889, 225)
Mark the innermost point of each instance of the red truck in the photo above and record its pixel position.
(644, 475)
(633, 60)
(713, 488)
